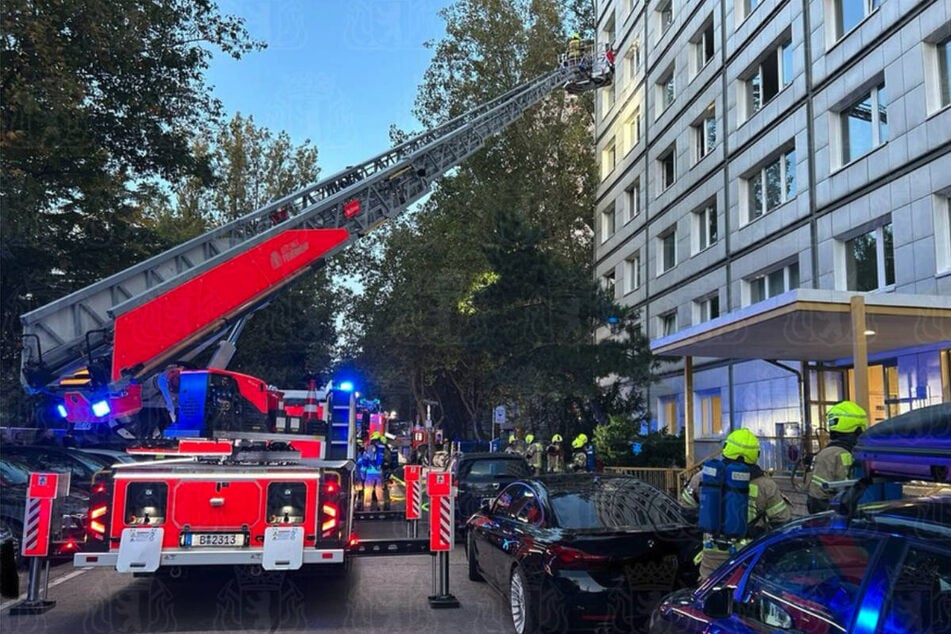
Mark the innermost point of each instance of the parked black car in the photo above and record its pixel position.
(582, 551)
(81, 466)
(887, 571)
(482, 475)
(9, 575)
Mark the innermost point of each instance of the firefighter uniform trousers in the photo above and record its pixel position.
(765, 507)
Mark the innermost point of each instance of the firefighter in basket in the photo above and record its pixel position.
(845, 421)
(736, 499)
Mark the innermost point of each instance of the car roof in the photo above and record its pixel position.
(486, 455)
(584, 480)
(915, 516)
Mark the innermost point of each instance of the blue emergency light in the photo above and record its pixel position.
(100, 408)
(346, 386)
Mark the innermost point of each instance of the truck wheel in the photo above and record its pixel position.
(471, 559)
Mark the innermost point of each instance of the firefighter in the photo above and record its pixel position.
(388, 469)
(765, 505)
(373, 482)
(574, 49)
(579, 453)
(534, 454)
(845, 421)
(556, 455)
(359, 474)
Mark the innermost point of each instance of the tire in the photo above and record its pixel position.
(471, 560)
(17, 530)
(521, 605)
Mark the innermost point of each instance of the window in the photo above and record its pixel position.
(632, 272)
(711, 411)
(668, 324)
(608, 159)
(632, 130)
(772, 185)
(633, 197)
(774, 283)
(747, 6)
(705, 133)
(848, 14)
(870, 260)
(668, 250)
(608, 283)
(706, 308)
(668, 173)
(607, 222)
(665, 91)
(944, 72)
(705, 227)
(942, 233)
(665, 13)
(607, 100)
(668, 409)
(920, 598)
(768, 78)
(703, 47)
(864, 125)
(634, 58)
(801, 582)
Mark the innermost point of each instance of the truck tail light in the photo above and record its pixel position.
(97, 523)
(330, 505)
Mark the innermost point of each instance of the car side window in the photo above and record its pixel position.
(807, 584)
(517, 495)
(921, 597)
(529, 510)
(504, 501)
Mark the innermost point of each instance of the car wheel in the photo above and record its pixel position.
(471, 560)
(521, 606)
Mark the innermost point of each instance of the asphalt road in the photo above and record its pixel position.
(380, 594)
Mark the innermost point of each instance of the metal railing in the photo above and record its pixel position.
(664, 478)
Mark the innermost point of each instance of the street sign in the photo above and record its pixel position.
(499, 415)
(439, 483)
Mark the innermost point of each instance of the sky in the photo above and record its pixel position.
(337, 72)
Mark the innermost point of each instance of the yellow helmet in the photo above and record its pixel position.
(529, 439)
(511, 437)
(376, 436)
(580, 441)
(557, 438)
(742, 444)
(846, 417)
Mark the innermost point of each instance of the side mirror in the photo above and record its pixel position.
(718, 603)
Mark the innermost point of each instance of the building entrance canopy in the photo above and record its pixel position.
(815, 325)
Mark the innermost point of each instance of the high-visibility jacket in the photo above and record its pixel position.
(766, 507)
(832, 464)
(534, 456)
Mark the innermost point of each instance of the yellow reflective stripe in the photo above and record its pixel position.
(754, 490)
(846, 458)
(817, 480)
(698, 558)
(776, 508)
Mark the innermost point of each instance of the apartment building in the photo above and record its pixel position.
(775, 178)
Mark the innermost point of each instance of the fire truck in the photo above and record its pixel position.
(239, 483)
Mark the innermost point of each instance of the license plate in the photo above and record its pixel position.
(215, 539)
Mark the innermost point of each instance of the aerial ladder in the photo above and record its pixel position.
(101, 354)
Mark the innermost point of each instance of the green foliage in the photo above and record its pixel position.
(614, 440)
(98, 97)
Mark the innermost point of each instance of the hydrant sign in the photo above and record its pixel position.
(414, 492)
(37, 519)
(439, 483)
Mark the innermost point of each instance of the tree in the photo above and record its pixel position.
(98, 96)
(294, 335)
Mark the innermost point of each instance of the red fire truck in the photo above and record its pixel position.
(241, 482)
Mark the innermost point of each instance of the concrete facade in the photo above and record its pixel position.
(841, 119)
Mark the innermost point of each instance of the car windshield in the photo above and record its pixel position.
(613, 503)
(492, 467)
(13, 474)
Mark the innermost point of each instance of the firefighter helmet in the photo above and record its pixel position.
(580, 441)
(557, 438)
(846, 417)
(742, 444)
(529, 439)
(376, 436)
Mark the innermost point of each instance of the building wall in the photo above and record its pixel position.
(904, 181)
